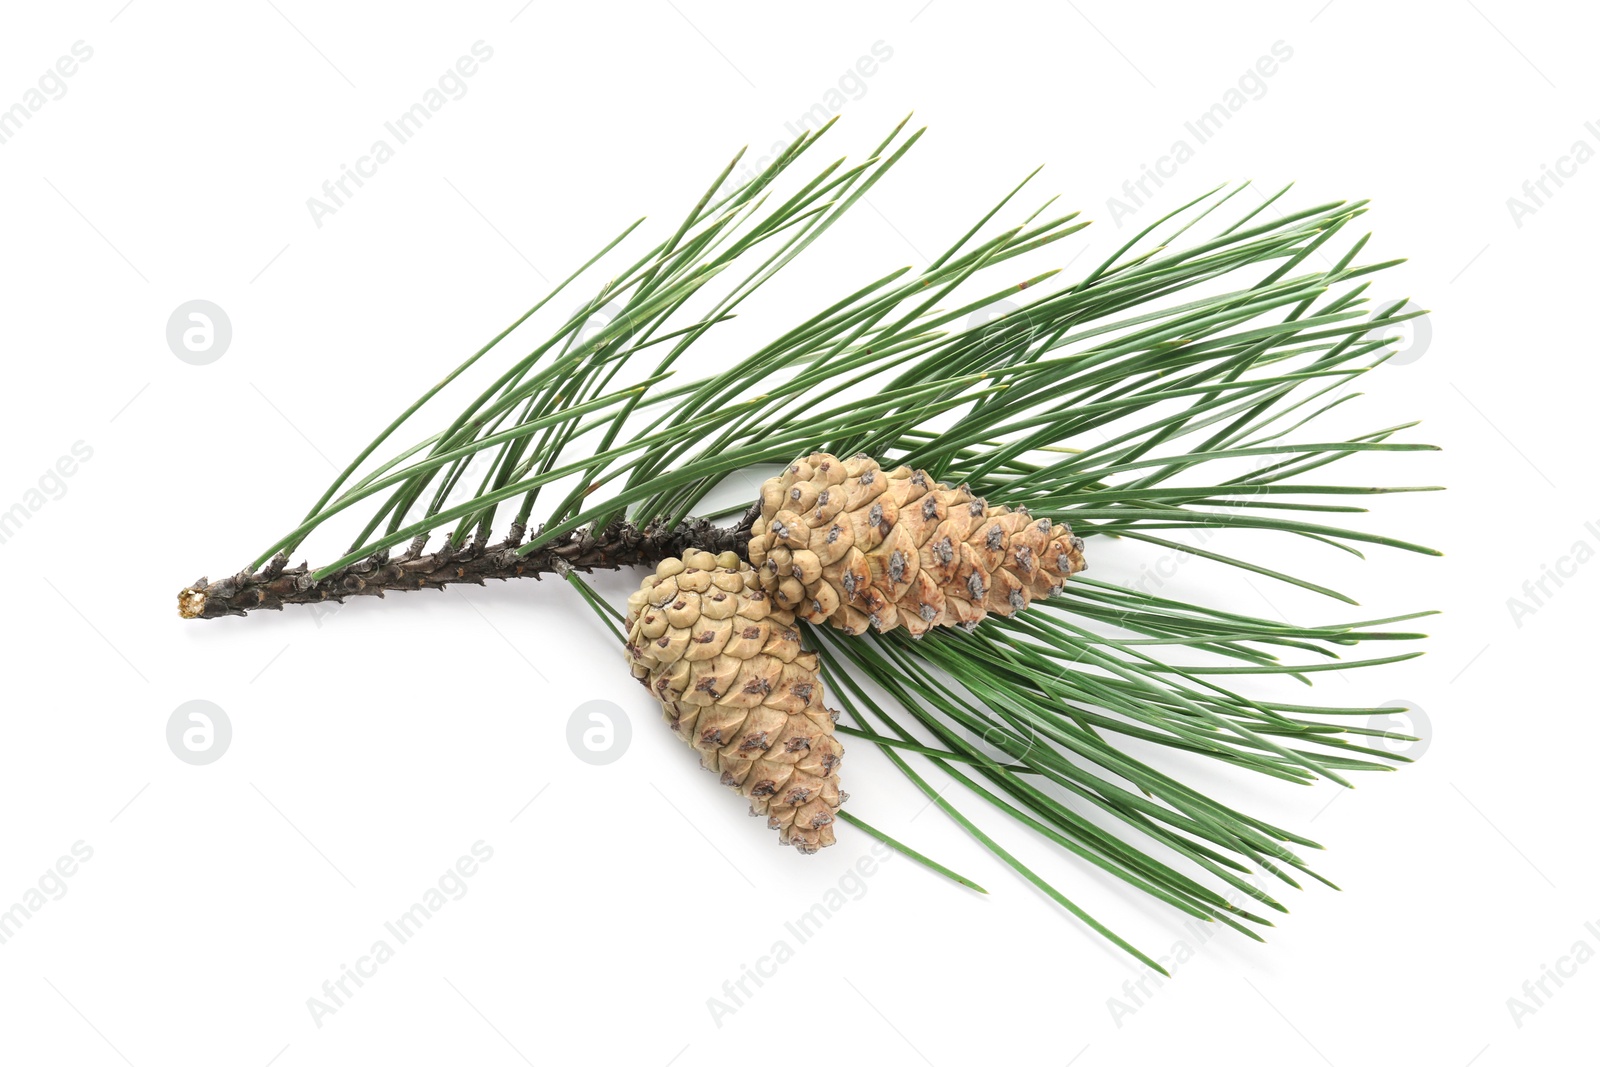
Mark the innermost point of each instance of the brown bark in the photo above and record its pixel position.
(620, 545)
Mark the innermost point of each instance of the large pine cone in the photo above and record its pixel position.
(735, 684)
(849, 543)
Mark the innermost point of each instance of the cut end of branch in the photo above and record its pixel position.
(192, 603)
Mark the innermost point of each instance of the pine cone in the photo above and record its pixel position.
(734, 683)
(849, 543)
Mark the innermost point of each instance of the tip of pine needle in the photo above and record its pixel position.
(1046, 276)
(905, 850)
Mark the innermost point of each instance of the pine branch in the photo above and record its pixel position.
(619, 546)
(1170, 387)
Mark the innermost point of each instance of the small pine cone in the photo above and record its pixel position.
(735, 684)
(849, 543)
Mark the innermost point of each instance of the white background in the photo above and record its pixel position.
(372, 748)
